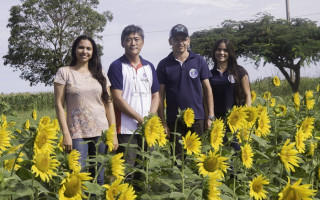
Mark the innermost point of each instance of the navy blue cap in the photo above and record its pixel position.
(179, 28)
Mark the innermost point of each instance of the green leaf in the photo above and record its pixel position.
(177, 195)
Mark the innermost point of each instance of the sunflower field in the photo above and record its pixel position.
(278, 157)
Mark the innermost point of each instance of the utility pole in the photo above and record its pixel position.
(288, 19)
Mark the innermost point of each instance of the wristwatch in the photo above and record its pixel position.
(212, 118)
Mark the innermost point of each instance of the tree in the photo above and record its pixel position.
(286, 45)
(42, 32)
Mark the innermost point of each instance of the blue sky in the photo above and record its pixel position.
(157, 17)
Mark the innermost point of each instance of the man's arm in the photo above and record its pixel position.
(161, 109)
(246, 89)
(208, 99)
(124, 107)
(155, 100)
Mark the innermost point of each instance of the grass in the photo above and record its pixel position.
(22, 116)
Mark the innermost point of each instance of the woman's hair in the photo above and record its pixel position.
(233, 68)
(94, 64)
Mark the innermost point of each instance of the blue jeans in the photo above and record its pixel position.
(89, 148)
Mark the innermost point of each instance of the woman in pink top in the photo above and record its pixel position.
(84, 89)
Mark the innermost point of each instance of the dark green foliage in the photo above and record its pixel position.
(42, 32)
(27, 101)
(286, 45)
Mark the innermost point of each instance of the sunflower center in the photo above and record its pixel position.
(73, 186)
(42, 140)
(210, 164)
(43, 162)
(257, 187)
(235, 118)
(290, 195)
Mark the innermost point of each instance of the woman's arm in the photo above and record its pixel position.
(59, 97)
(111, 119)
(246, 89)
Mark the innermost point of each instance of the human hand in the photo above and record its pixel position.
(67, 143)
(115, 142)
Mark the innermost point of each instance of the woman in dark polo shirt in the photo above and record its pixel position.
(229, 81)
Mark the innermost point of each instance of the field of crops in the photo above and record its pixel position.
(278, 158)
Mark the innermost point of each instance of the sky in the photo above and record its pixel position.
(156, 18)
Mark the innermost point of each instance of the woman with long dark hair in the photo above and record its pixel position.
(230, 81)
(84, 88)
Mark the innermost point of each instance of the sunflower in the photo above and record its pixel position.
(237, 119)
(72, 185)
(246, 156)
(299, 140)
(243, 135)
(318, 88)
(162, 139)
(217, 133)
(309, 101)
(152, 130)
(253, 96)
(34, 114)
(8, 164)
(60, 143)
(3, 120)
(192, 143)
(266, 96)
(44, 165)
(4, 139)
(251, 115)
(117, 166)
(313, 146)
(46, 134)
(272, 102)
(263, 124)
(288, 156)
(119, 191)
(55, 123)
(110, 133)
(26, 125)
(73, 160)
(211, 163)
(281, 110)
(213, 185)
(188, 117)
(44, 120)
(276, 81)
(296, 191)
(256, 187)
(296, 101)
(307, 126)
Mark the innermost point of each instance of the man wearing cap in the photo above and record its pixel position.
(184, 82)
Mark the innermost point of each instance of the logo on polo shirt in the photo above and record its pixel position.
(193, 73)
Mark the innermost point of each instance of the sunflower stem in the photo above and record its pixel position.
(95, 178)
(147, 170)
(182, 169)
(15, 160)
(129, 142)
(174, 143)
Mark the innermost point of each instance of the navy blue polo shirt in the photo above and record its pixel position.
(223, 85)
(183, 84)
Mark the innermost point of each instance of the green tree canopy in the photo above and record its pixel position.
(286, 45)
(42, 32)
